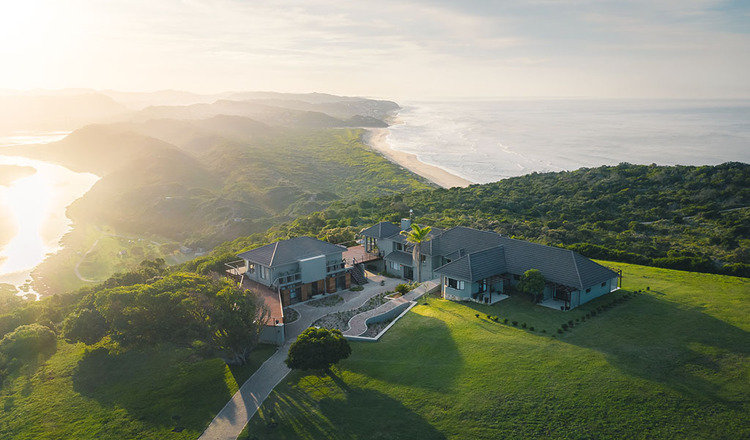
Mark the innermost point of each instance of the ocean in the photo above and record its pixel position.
(486, 141)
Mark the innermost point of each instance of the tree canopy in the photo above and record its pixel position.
(532, 282)
(318, 349)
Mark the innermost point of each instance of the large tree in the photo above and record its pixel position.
(318, 349)
(417, 235)
(237, 319)
(532, 282)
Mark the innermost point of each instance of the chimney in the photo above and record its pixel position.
(405, 224)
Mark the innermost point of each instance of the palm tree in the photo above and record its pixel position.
(417, 236)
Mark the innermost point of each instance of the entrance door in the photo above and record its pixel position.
(408, 273)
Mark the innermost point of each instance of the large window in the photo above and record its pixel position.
(399, 246)
(251, 267)
(263, 272)
(454, 284)
(395, 266)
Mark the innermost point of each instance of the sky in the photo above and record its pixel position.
(403, 49)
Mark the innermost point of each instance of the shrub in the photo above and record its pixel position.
(27, 341)
(477, 315)
(505, 321)
(403, 289)
(357, 288)
(515, 323)
(570, 323)
(559, 331)
(593, 313)
(489, 317)
(523, 325)
(495, 318)
(565, 326)
(544, 331)
(531, 328)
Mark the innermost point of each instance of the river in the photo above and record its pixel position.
(35, 206)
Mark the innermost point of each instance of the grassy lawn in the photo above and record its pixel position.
(671, 362)
(82, 393)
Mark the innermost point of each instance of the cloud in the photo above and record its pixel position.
(564, 48)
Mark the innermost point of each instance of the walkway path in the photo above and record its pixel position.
(358, 323)
(231, 420)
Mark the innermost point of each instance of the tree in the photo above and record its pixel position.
(318, 349)
(532, 282)
(417, 236)
(86, 325)
(237, 319)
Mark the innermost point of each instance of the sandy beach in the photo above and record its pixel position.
(377, 140)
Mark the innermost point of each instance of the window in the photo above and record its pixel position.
(588, 290)
(251, 267)
(399, 246)
(423, 258)
(395, 266)
(517, 277)
(604, 284)
(454, 284)
(264, 272)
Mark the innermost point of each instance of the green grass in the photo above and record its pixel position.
(671, 362)
(82, 393)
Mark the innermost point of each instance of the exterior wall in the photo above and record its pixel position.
(596, 291)
(456, 294)
(273, 335)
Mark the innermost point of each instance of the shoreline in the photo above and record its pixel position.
(376, 138)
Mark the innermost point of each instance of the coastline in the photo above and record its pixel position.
(376, 138)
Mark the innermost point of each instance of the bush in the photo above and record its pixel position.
(357, 288)
(544, 331)
(85, 325)
(565, 326)
(403, 289)
(515, 323)
(505, 321)
(559, 331)
(523, 325)
(593, 313)
(28, 341)
(531, 328)
(570, 323)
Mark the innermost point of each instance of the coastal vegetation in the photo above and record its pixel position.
(146, 354)
(668, 351)
(679, 217)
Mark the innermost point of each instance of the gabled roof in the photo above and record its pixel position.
(560, 266)
(381, 230)
(400, 257)
(291, 250)
(460, 237)
(476, 266)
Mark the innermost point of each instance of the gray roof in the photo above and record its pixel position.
(381, 230)
(400, 257)
(458, 238)
(560, 266)
(288, 251)
(476, 266)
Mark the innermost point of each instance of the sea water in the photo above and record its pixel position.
(485, 141)
(36, 206)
